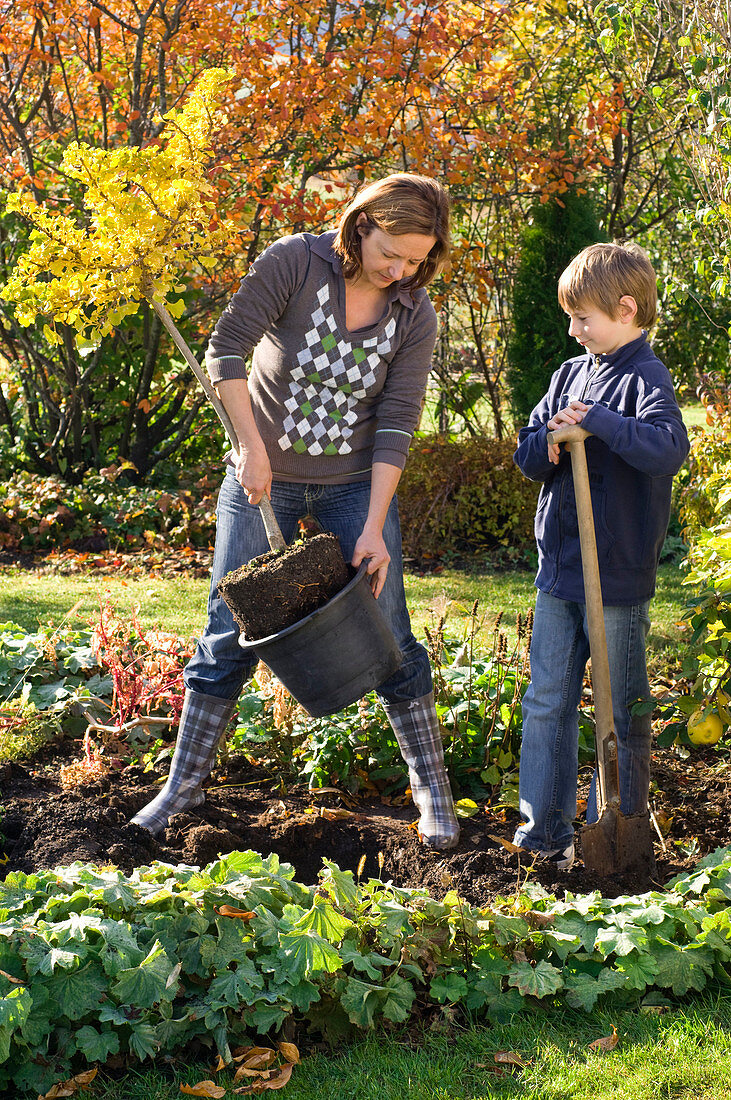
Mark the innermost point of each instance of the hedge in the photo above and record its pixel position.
(465, 496)
(455, 497)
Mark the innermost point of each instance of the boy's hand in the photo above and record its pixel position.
(572, 414)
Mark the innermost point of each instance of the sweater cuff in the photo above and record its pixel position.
(225, 367)
(392, 447)
(602, 422)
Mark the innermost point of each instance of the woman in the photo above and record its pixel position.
(342, 333)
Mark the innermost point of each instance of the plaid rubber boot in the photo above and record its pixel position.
(202, 722)
(417, 731)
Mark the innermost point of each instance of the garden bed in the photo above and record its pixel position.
(44, 826)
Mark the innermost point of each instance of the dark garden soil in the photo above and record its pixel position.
(44, 826)
(281, 587)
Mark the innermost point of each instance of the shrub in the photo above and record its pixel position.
(454, 497)
(706, 510)
(39, 513)
(464, 496)
(557, 231)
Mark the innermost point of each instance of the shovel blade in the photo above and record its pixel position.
(618, 842)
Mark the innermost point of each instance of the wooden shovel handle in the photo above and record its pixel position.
(606, 738)
(274, 535)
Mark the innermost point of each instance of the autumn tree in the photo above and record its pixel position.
(690, 96)
(74, 72)
(323, 96)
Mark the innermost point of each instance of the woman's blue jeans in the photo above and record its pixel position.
(219, 666)
(549, 753)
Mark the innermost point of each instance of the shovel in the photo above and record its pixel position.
(616, 841)
(274, 535)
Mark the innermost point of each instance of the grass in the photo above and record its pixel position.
(32, 598)
(683, 1053)
(453, 593)
(694, 416)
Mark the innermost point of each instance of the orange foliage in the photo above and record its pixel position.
(324, 95)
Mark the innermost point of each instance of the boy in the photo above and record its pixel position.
(620, 392)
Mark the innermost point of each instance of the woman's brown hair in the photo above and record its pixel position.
(398, 204)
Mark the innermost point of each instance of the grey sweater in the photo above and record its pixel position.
(327, 402)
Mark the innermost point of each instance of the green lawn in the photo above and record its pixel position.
(678, 1054)
(694, 416)
(33, 599)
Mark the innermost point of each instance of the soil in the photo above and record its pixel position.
(279, 588)
(44, 826)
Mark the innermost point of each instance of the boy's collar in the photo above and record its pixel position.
(323, 246)
(621, 354)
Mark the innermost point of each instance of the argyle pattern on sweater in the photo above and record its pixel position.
(331, 376)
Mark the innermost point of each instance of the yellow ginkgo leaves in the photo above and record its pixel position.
(148, 218)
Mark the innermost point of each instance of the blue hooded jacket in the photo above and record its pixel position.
(638, 444)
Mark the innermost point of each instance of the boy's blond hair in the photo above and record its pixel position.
(602, 274)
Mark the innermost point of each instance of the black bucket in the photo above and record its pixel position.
(335, 655)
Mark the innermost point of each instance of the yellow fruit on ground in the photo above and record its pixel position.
(704, 729)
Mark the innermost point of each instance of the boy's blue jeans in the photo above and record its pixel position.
(549, 753)
(219, 666)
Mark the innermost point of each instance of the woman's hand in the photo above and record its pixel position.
(371, 546)
(254, 472)
(252, 468)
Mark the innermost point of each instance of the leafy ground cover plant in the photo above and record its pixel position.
(97, 965)
(24, 730)
(48, 668)
(119, 681)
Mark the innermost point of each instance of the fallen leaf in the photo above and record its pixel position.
(232, 911)
(510, 1058)
(255, 1062)
(85, 1078)
(512, 848)
(606, 1043)
(10, 978)
(204, 1088)
(278, 1079)
(259, 1057)
(664, 821)
(289, 1051)
(174, 975)
(334, 815)
(537, 919)
(70, 1087)
(466, 807)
